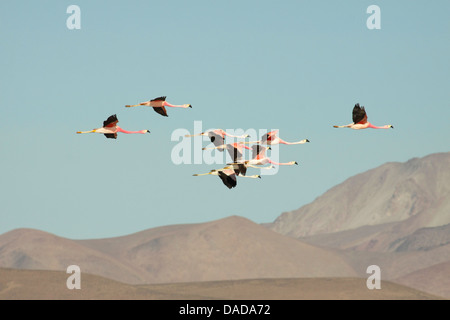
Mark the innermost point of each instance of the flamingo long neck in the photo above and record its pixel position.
(376, 127)
(297, 142)
(278, 163)
(241, 145)
(257, 161)
(233, 136)
(119, 129)
(166, 104)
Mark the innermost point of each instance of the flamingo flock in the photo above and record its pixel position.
(238, 166)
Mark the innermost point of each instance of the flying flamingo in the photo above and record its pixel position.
(235, 150)
(159, 105)
(110, 128)
(259, 158)
(227, 175)
(360, 120)
(217, 136)
(271, 138)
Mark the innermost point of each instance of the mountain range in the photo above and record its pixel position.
(227, 249)
(396, 216)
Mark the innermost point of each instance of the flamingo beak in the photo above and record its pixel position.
(259, 177)
(392, 127)
(148, 131)
(307, 140)
(190, 106)
(295, 162)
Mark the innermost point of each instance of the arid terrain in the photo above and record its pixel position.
(396, 216)
(46, 285)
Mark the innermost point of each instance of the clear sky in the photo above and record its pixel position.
(297, 66)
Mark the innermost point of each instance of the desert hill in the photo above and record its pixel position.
(45, 285)
(226, 249)
(396, 216)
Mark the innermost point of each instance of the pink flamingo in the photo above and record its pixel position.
(110, 128)
(217, 136)
(227, 175)
(259, 157)
(360, 120)
(235, 150)
(159, 105)
(271, 138)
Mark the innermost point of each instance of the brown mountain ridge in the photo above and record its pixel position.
(396, 216)
(227, 249)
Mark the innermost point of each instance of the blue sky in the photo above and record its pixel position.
(296, 66)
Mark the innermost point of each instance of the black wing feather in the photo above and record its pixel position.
(241, 169)
(359, 113)
(161, 110)
(110, 120)
(163, 98)
(228, 180)
(111, 135)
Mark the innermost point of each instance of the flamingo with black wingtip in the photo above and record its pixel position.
(235, 150)
(259, 158)
(110, 128)
(217, 136)
(228, 175)
(359, 116)
(159, 105)
(272, 138)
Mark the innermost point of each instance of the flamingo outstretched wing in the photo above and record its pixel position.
(111, 135)
(268, 137)
(235, 151)
(162, 98)
(258, 151)
(216, 139)
(359, 114)
(241, 169)
(111, 121)
(228, 179)
(161, 110)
